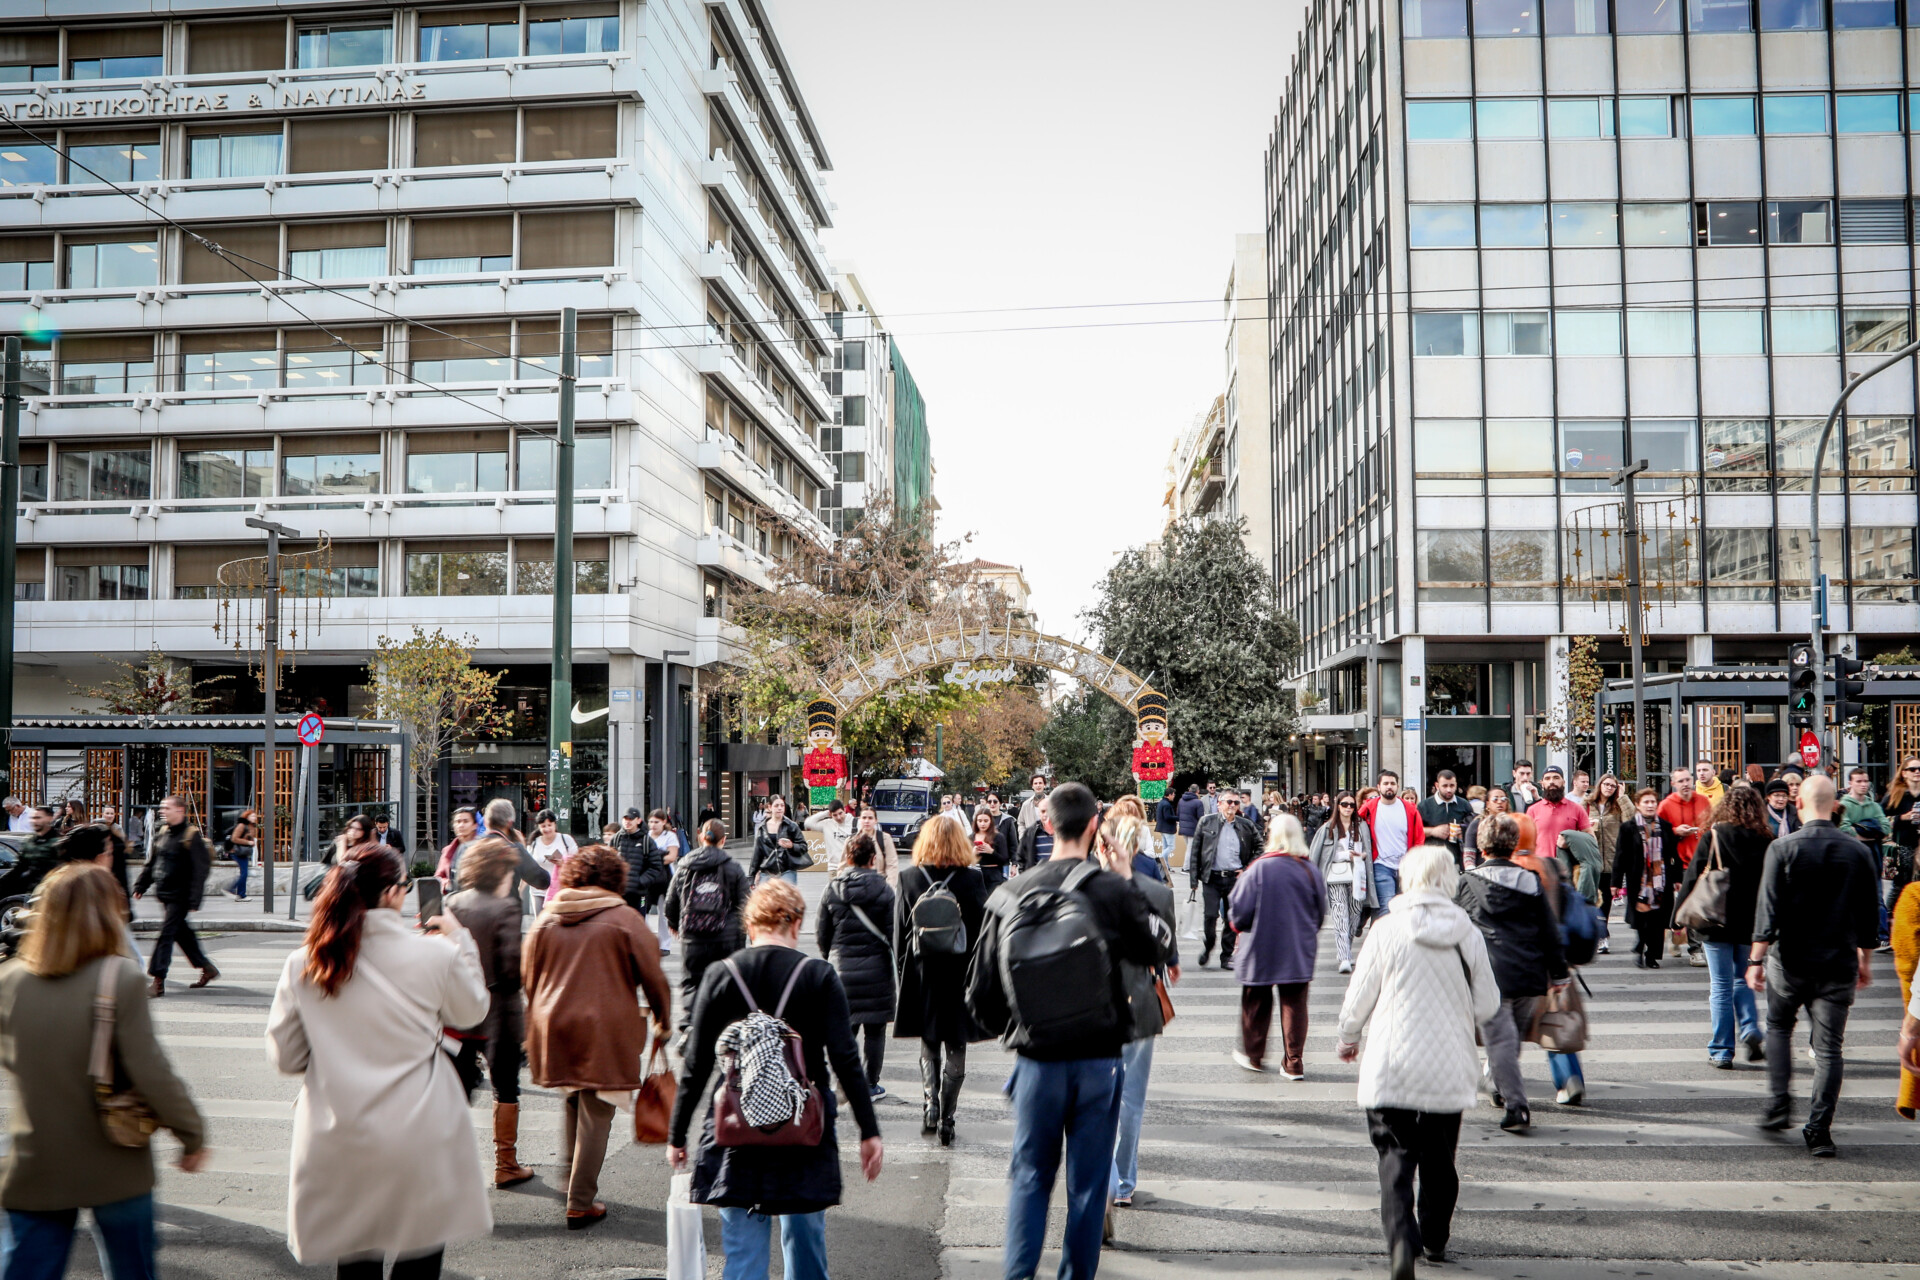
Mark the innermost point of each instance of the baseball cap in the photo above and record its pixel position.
(633, 813)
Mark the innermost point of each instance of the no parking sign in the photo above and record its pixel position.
(311, 729)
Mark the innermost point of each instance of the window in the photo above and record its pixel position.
(1590, 452)
(227, 469)
(476, 567)
(1516, 333)
(1444, 333)
(343, 465)
(1882, 563)
(1513, 226)
(1873, 222)
(337, 250)
(1794, 558)
(1794, 113)
(114, 53)
(113, 157)
(100, 573)
(458, 246)
(1865, 13)
(1506, 17)
(1440, 226)
(1867, 113)
(83, 474)
(106, 366)
(1719, 15)
(574, 28)
(1793, 443)
(30, 573)
(344, 45)
(1800, 221)
(1655, 225)
(1726, 331)
(1880, 455)
(1671, 447)
(320, 360)
(252, 252)
(1507, 117)
(1523, 564)
(33, 471)
(1576, 17)
(1722, 117)
(113, 264)
(574, 238)
(248, 361)
(1876, 328)
(460, 36)
(1804, 331)
(1646, 117)
(463, 352)
(1579, 117)
(592, 462)
(1587, 333)
(851, 469)
(572, 133)
(1736, 454)
(1449, 120)
(26, 262)
(1519, 455)
(1433, 19)
(27, 164)
(29, 55)
(1446, 456)
(213, 153)
(236, 46)
(465, 137)
(1659, 333)
(1450, 564)
(853, 355)
(348, 145)
(1728, 222)
(540, 347)
(1739, 564)
(456, 462)
(1792, 15)
(1646, 17)
(533, 566)
(1585, 225)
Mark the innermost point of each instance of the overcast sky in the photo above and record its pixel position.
(1043, 155)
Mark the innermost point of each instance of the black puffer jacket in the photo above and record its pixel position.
(647, 872)
(768, 857)
(864, 959)
(1505, 903)
(701, 859)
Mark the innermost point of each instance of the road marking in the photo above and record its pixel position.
(1124, 1264)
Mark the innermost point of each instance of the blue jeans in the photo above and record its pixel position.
(1079, 1101)
(1729, 1000)
(1565, 1066)
(745, 1238)
(244, 861)
(1386, 884)
(122, 1232)
(1136, 1061)
(1166, 846)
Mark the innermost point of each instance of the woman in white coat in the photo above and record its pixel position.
(1425, 984)
(384, 1159)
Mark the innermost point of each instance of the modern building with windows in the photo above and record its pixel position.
(1515, 244)
(310, 264)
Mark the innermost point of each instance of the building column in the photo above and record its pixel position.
(626, 711)
(1559, 708)
(1413, 712)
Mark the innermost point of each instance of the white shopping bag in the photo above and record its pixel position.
(686, 1242)
(1192, 911)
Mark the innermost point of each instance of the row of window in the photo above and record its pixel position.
(1661, 331)
(433, 462)
(350, 144)
(1604, 224)
(278, 44)
(1659, 116)
(1458, 19)
(463, 245)
(1749, 565)
(1737, 455)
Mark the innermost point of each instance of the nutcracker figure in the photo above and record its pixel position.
(1152, 749)
(824, 766)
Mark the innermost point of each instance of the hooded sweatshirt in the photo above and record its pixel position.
(581, 963)
(1422, 988)
(704, 859)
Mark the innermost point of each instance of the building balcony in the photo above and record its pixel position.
(715, 640)
(788, 123)
(720, 173)
(1205, 483)
(720, 455)
(728, 555)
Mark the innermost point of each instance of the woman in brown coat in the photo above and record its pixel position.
(488, 907)
(586, 1035)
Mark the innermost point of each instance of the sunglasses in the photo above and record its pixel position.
(1346, 804)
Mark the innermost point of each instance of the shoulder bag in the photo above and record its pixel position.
(800, 857)
(653, 1105)
(125, 1116)
(1706, 906)
(1560, 1023)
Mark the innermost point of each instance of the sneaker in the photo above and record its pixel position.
(1697, 959)
(1756, 1049)
(1820, 1143)
(231, 894)
(1721, 1064)
(1293, 1069)
(877, 1092)
(1574, 1094)
(1346, 966)
(1603, 947)
(1517, 1120)
(1245, 1063)
(1777, 1116)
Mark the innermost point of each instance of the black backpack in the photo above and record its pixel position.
(703, 907)
(1054, 968)
(938, 927)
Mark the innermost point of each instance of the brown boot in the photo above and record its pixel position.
(157, 988)
(507, 1169)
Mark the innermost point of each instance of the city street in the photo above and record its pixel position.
(1240, 1174)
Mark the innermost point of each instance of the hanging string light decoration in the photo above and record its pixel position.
(306, 587)
(1596, 566)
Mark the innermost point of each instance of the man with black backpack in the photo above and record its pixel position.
(1046, 978)
(703, 906)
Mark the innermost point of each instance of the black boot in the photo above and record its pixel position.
(929, 1094)
(950, 1083)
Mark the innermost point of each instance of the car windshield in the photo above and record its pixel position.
(899, 798)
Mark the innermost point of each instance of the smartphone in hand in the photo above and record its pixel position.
(428, 897)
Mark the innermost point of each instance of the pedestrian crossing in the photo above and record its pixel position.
(1244, 1173)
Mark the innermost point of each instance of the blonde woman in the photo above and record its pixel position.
(933, 977)
(1278, 906)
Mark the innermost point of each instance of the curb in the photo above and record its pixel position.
(208, 927)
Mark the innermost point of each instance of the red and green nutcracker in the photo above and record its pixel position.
(1152, 749)
(824, 766)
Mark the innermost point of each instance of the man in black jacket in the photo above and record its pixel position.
(1509, 907)
(647, 873)
(176, 871)
(1066, 1091)
(1814, 930)
(1222, 844)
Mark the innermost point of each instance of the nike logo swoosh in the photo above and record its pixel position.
(590, 716)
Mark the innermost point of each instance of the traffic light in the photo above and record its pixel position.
(1845, 688)
(1802, 677)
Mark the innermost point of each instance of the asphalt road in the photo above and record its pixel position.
(1660, 1175)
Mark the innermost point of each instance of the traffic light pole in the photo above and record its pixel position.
(1816, 626)
(1630, 530)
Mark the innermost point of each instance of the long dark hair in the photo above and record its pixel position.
(1742, 807)
(1348, 827)
(353, 888)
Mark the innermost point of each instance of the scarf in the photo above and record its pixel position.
(1653, 876)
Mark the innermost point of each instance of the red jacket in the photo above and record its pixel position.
(1416, 833)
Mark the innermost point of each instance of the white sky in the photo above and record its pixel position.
(1047, 154)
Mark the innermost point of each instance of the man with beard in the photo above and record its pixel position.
(1554, 812)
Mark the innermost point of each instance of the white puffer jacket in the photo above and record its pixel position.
(1412, 985)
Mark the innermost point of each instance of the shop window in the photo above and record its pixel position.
(100, 573)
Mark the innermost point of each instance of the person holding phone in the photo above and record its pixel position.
(780, 846)
(550, 848)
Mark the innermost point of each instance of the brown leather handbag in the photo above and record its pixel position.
(653, 1105)
(125, 1116)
